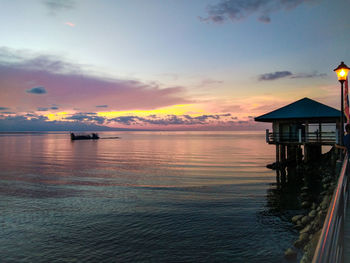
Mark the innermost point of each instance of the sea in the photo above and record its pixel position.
(146, 196)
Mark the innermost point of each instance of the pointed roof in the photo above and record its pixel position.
(304, 109)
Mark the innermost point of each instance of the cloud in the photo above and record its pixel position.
(42, 109)
(308, 76)
(26, 60)
(169, 120)
(209, 82)
(87, 117)
(236, 10)
(284, 74)
(6, 54)
(31, 122)
(47, 108)
(101, 106)
(37, 90)
(89, 121)
(56, 6)
(32, 117)
(70, 24)
(265, 19)
(71, 86)
(275, 75)
(127, 120)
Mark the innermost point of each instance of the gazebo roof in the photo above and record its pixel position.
(302, 110)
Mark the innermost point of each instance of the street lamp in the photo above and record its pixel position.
(342, 72)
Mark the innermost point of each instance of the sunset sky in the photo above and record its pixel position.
(166, 64)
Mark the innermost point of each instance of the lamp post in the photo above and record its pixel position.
(342, 72)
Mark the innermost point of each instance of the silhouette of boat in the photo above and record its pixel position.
(93, 136)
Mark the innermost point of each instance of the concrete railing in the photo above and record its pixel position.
(330, 247)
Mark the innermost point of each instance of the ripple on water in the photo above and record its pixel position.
(185, 197)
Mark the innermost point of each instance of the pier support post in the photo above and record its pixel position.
(267, 135)
(277, 155)
(312, 152)
(283, 153)
(299, 154)
(292, 153)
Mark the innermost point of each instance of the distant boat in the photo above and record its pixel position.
(93, 136)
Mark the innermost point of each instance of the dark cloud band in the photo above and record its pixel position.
(55, 6)
(169, 119)
(275, 75)
(42, 109)
(285, 74)
(239, 9)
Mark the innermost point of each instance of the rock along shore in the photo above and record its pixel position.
(318, 183)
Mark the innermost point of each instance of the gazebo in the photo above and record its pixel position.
(306, 123)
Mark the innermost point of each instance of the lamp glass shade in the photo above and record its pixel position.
(342, 73)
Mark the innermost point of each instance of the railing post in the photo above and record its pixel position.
(342, 218)
(337, 136)
(267, 136)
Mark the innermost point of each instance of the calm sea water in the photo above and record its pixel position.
(147, 197)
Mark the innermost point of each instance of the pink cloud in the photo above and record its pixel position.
(70, 24)
(43, 83)
(69, 87)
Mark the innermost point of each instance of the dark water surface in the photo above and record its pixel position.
(147, 197)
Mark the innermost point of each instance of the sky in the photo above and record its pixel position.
(165, 64)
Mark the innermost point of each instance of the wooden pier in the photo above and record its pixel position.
(305, 125)
(309, 125)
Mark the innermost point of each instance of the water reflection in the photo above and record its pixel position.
(283, 195)
(175, 196)
(137, 159)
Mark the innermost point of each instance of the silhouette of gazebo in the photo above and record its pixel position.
(291, 128)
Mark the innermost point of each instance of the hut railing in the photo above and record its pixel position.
(299, 137)
(330, 247)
